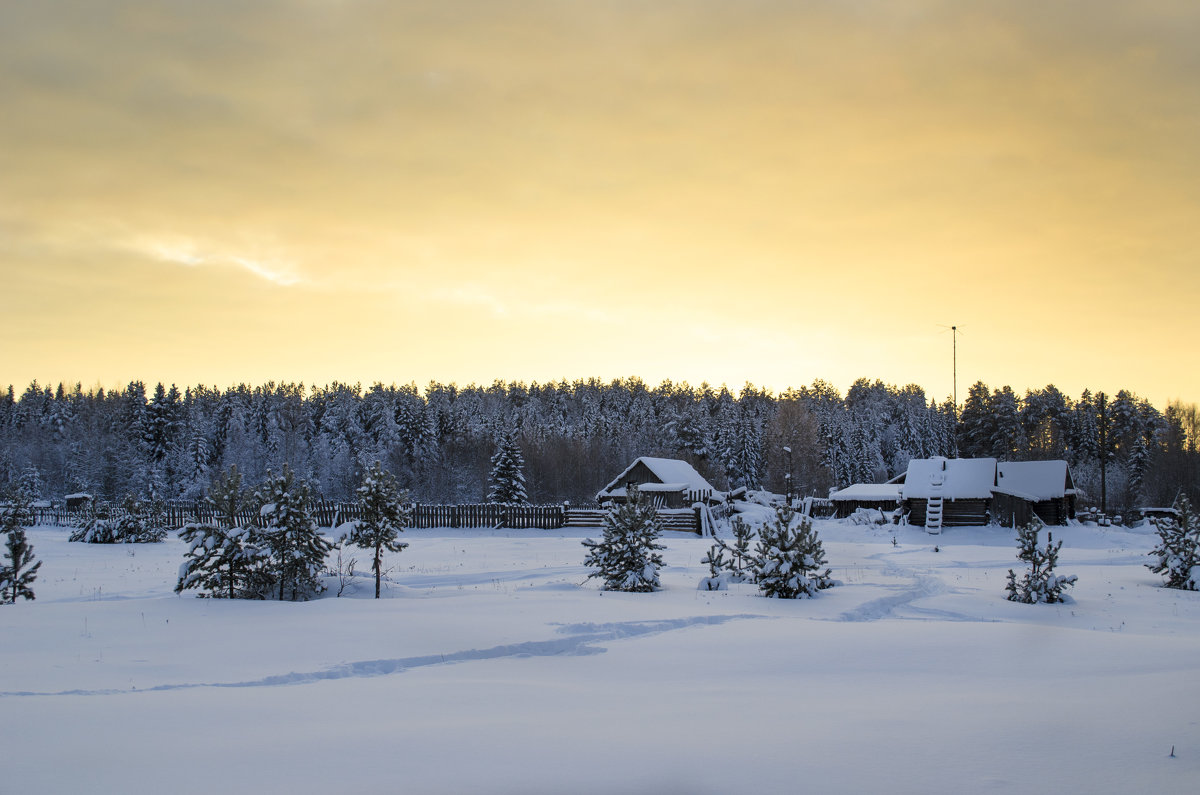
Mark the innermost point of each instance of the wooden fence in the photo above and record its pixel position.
(178, 513)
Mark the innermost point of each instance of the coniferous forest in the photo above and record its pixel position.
(164, 442)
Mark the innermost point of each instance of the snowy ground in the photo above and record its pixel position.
(490, 666)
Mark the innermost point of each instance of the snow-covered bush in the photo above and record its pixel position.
(789, 558)
(1039, 584)
(1178, 552)
(384, 517)
(628, 557)
(134, 522)
(99, 526)
(729, 562)
(868, 516)
(295, 547)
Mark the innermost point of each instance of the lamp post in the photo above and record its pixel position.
(787, 476)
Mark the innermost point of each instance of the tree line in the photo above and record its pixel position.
(439, 442)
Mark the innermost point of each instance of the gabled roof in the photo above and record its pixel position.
(951, 478)
(669, 471)
(1034, 480)
(870, 492)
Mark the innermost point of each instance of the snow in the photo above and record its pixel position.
(490, 665)
(867, 491)
(952, 478)
(1032, 480)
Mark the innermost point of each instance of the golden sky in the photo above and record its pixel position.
(743, 190)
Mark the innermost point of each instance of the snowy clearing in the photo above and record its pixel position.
(490, 665)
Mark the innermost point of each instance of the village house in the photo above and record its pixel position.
(1025, 489)
(669, 482)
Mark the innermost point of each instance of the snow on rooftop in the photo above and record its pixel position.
(951, 478)
(1033, 480)
(669, 471)
(868, 492)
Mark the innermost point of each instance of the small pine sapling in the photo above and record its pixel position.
(628, 557)
(384, 517)
(1178, 552)
(788, 561)
(18, 569)
(222, 561)
(734, 568)
(225, 557)
(99, 526)
(1039, 584)
(141, 521)
(295, 544)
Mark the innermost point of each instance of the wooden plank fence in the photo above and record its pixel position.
(178, 513)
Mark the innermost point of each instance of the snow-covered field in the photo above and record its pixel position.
(491, 666)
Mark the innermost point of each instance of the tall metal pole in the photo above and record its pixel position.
(954, 337)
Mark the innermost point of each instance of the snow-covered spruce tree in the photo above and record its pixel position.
(141, 521)
(788, 560)
(384, 517)
(628, 557)
(18, 569)
(225, 559)
(295, 545)
(507, 480)
(734, 568)
(221, 562)
(99, 526)
(1178, 552)
(1039, 584)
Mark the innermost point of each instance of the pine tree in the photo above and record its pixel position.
(384, 517)
(223, 557)
(1040, 584)
(734, 568)
(225, 562)
(18, 571)
(296, 547)
(508, 478)
(1178, 552)
(628, 557)
(788, 560)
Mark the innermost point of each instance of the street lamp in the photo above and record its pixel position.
(787, 476)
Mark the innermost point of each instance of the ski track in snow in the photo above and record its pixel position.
(924, 584)
(580, 640)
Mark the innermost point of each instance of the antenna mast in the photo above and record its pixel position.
(954, 337)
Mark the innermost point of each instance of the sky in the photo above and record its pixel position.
(721, 191)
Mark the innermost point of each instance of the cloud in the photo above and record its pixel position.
(189, 254)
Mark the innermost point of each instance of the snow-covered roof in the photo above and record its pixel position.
(868, 492)
(1034, 480)
(80, 496)
(951, 478)
(671, 472)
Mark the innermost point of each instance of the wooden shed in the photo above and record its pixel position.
(1025, 489)
(948, 492)
(879, 496)
(669, 482)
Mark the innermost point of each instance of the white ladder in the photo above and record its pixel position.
(933, 515)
